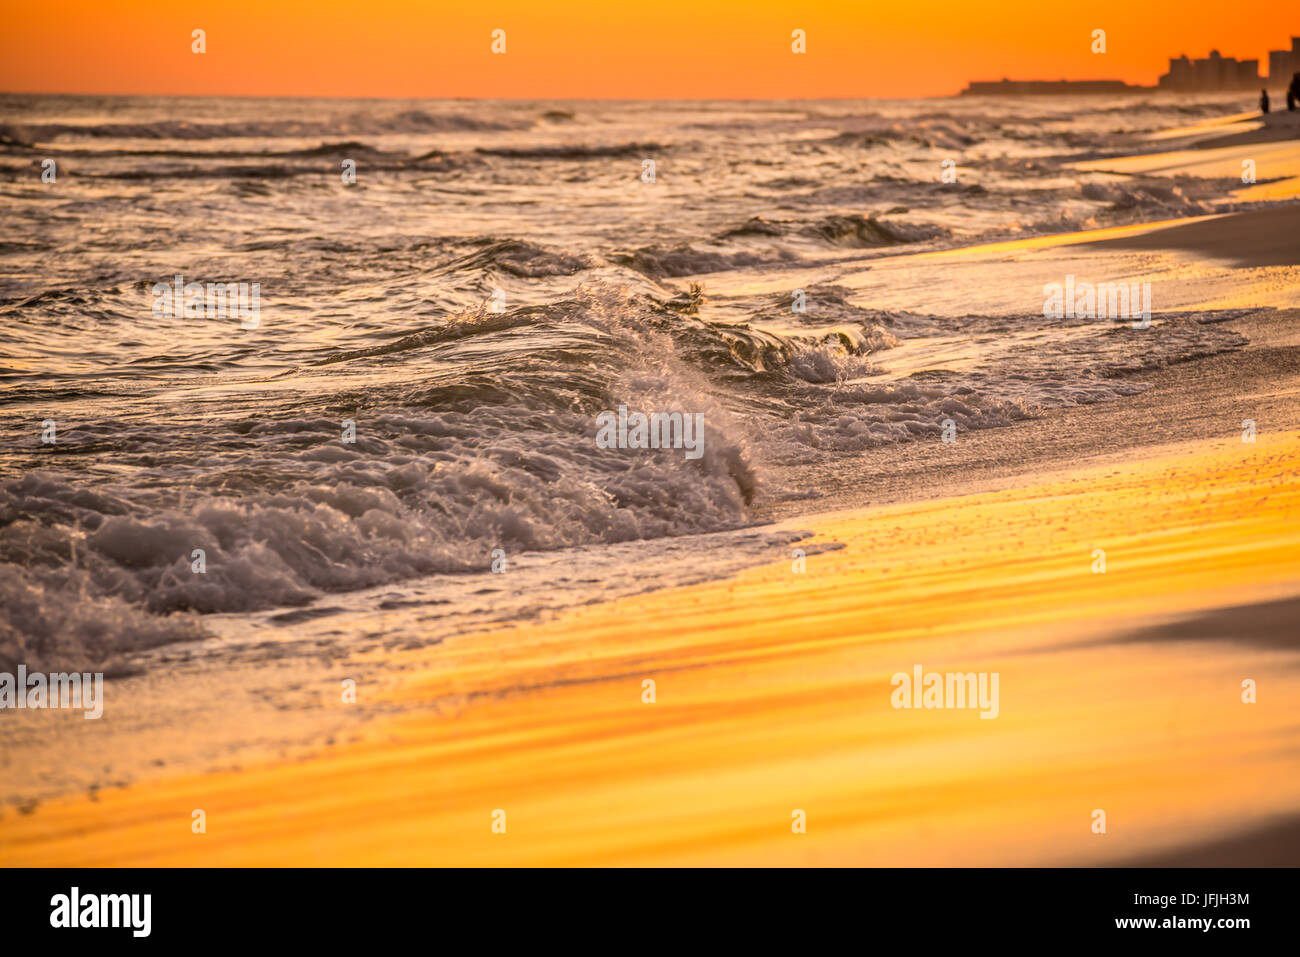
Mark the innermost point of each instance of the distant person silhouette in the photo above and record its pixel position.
(1263, 101)
(1293, 92)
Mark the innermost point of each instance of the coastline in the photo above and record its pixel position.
(774, 694)
(774, 686)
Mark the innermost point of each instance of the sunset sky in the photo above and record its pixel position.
(601, 48)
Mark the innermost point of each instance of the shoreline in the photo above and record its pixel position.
(974, 556)
(280, 676)
(791, 708)
(1185, 403)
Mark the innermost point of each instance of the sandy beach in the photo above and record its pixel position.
(1121, 680)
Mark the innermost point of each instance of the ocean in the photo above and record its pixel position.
(396, 436)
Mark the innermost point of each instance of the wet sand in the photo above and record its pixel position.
(1248, 239)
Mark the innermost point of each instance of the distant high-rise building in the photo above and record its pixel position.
(1283, 63)
(1208, 74)
(1180, 73)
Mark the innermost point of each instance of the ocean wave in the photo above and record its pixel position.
(284, 511)
(1149, 195)
(848, 230)
(519, 258)
(572, 152)
(408, 121)
(659, 262)
(862, 232)
(483, 438)
(929, 134)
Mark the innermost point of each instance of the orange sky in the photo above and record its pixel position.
(609, 48)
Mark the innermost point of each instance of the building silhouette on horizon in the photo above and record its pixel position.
(1217, 72)
(1214, 73)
